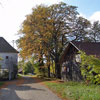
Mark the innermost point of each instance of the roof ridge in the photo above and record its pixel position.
(6, 47)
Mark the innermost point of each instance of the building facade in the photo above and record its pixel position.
(8, 62)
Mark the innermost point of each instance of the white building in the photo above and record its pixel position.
(9, 56)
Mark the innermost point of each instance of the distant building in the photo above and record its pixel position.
(9, 56)
(71, 57)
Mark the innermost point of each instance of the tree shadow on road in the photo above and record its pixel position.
(11, 91)
(32, 80)
(27, 88)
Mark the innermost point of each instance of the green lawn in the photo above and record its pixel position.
(75, 90)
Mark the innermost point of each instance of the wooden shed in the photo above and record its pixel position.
(71, 58)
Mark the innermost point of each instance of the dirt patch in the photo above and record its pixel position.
(20, 81)
(16, 82)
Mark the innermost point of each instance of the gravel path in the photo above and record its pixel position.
(29, 90)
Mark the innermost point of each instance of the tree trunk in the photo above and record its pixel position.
(57, 68)
(48, 64)
(58, 71)
(49, 70)
(53, 68)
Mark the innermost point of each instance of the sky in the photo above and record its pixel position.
(13, 12)
(90, 9)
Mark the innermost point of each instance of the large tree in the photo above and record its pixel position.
(62, 15)
(80, 29)
(43, 33)
(94, 33)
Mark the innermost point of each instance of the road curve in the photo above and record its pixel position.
(29, 90)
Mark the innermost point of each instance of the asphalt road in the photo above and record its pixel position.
(29, 90)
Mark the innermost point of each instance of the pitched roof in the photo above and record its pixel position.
(90, 48)
(5, 47)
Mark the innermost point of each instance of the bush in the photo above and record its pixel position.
(28, 68)
(90, 68)
(4, 73)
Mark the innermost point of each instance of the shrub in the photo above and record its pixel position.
(90, 68)
(28, 68)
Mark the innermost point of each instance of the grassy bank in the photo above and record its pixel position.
(75, 91)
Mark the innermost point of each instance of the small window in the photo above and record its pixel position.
(78, 58)
(7, 57)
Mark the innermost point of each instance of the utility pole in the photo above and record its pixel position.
(13, 41)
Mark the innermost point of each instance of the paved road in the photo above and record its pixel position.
(29, 90)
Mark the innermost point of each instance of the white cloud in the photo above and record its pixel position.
(82, 15)
(47, 1)
(95, 16)
(13, 12)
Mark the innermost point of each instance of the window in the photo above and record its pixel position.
(7, 57)
(78, 58)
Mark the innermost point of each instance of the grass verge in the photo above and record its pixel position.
(75, 90)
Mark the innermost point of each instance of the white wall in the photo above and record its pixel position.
(8, 63)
